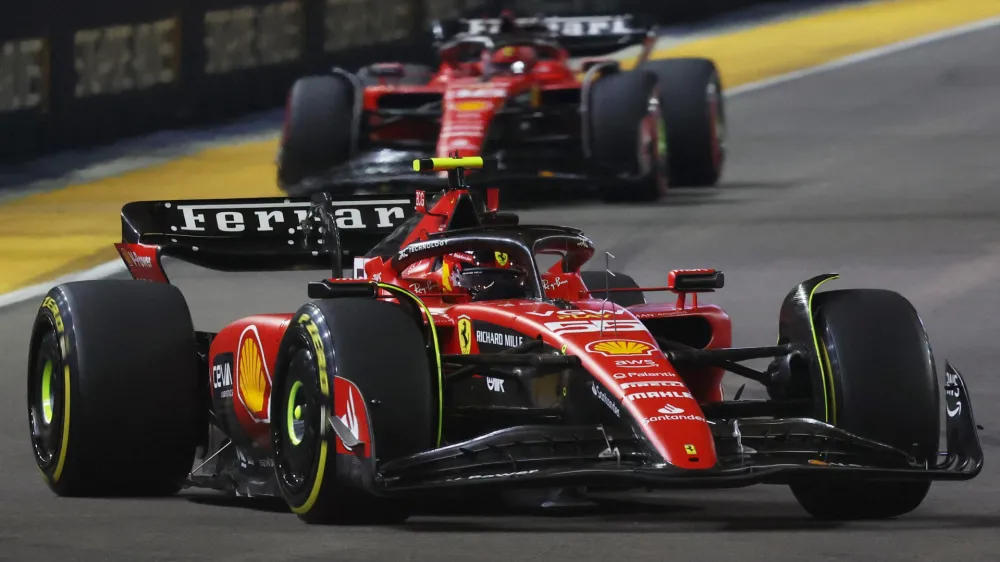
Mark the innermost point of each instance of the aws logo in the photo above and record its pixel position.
(253, 379)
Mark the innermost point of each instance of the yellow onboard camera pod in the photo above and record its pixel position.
(444, 164)
(455, 167)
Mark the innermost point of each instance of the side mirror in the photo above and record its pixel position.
(493, 199)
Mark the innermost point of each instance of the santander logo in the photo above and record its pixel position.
(669, 412)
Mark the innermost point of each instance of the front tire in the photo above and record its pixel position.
(628, 133)
(884, 387)
(694, 109)
(599, 282)
(365, 362)
(116, 405)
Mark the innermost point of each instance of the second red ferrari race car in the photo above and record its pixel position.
(452, 361)
(506, 89)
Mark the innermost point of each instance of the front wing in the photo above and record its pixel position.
(749, 452)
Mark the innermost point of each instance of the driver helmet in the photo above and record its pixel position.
(508, 22)
(493, 283)
(485, 277)
(515, 59)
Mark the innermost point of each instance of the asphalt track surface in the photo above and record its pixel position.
(884, 171)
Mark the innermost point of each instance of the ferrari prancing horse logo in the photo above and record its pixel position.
(465, 335)
(501, 258)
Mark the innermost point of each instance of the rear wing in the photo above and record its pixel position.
(580, 35)
(262, 234)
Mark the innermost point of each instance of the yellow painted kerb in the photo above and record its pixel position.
(46, 235)
(766, 51)
(50, 234)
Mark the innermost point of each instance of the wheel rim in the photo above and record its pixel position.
(47, 393)
(653, 147)
(294, 424)
(45, 400)
(297, 446)
(717, 123)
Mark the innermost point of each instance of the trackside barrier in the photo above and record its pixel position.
(76, 74)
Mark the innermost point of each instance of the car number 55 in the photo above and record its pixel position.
(585, 326)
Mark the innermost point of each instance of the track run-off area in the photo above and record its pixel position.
(881, 167)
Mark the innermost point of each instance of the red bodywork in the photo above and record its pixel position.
(468, 102)
(615, 344)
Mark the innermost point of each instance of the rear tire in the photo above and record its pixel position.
(694, 109)
(319, 128)
(628, 133)
(368, 355)
(885, 388)
(116, 403)
(598, 280)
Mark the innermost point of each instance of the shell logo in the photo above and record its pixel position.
(472, 106)
(253, 377)
(619, 348)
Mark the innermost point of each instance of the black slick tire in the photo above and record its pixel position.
(885, 388)
(319, 128)
(627, 133)
(116, 404)
(599, 282)
(693, 106)
(375, 351)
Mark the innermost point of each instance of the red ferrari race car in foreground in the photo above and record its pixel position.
(452, 362)
(505, 88)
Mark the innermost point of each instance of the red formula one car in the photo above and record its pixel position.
(452, 361)
(506, 88)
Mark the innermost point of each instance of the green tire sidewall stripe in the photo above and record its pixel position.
(437, 350)
(829, 400)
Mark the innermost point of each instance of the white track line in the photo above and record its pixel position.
(102, 271)
(115, 267)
